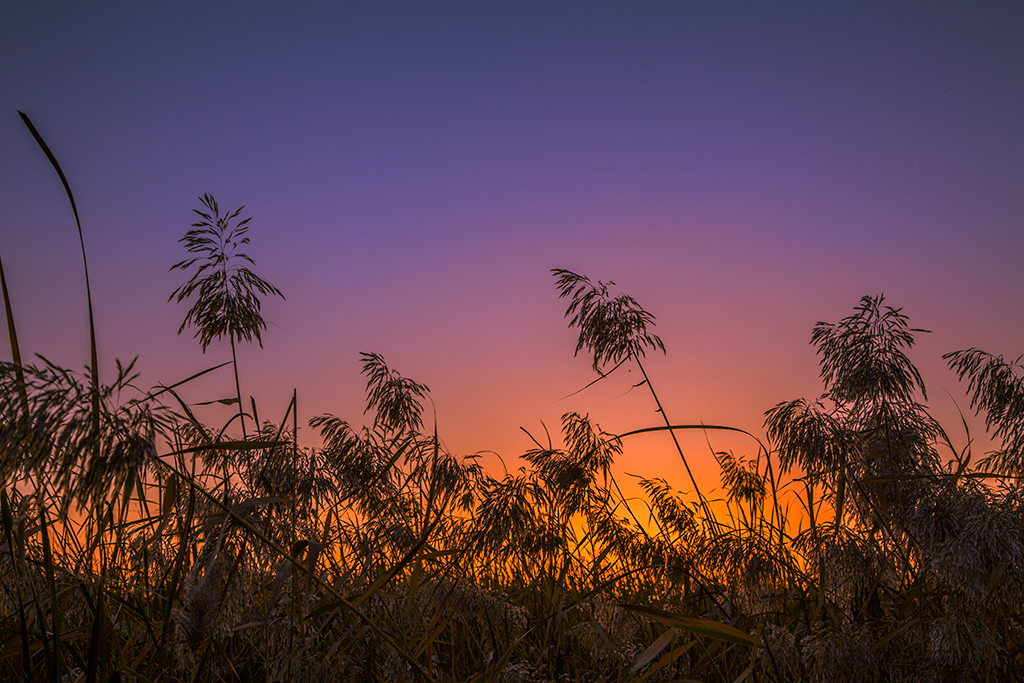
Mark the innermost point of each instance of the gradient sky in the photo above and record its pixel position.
(414, 170)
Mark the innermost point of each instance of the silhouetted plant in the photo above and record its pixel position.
(996, 389)
(395, 399)
(917, 541)
(51, 439)
(227, 293)
(614, 330)
(875, 429)
(863, 357)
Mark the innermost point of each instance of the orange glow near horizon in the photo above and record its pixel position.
(412, 183)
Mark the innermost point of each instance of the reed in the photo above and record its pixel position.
(141, 543)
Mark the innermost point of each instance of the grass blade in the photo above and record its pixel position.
(13, 334)
(94, 363)
(704, 627)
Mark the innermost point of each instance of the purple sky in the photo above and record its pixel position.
(414, 170)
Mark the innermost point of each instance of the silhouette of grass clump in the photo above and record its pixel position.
(139, 542)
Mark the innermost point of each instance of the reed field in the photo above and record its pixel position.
(856, 542)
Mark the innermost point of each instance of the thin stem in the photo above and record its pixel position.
(704, 503)
(238, 390)
(295, 457)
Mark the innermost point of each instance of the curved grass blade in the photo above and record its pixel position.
(230, 446)
(94, 363)
(665, 660)
(704, 627)
(702, 427)
(654, 650)
(13, 334)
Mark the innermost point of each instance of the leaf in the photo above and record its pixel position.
(231, 446)
(223, 401)
(654, 650)
(284, 569)
(704, 627)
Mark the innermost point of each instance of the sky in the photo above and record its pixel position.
(415, 170)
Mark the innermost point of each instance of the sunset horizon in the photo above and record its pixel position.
(621, 328)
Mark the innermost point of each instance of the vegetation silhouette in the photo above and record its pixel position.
(857, 543)
(227, 293)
